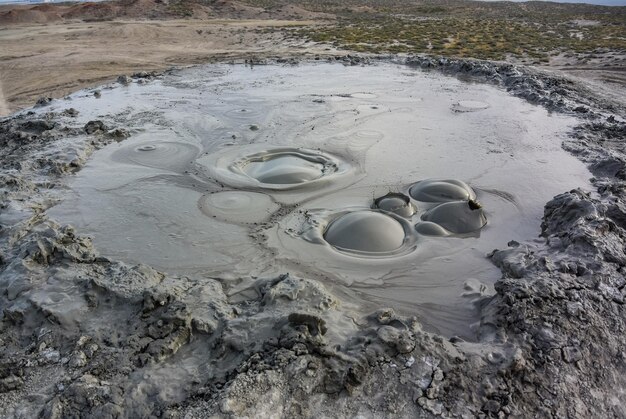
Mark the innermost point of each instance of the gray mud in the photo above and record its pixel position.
(247, 314)
(327, 138)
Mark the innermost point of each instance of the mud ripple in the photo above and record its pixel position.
(167, 155)
(238, 206)
(469, 106)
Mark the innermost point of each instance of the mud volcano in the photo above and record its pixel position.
(196, 192)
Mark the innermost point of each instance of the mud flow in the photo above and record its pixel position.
(389, 185)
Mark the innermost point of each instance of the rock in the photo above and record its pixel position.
(124, 80)
(119, 133)
(571, 354)
(78, 360)
(10, 383)
(70, 112)
(142, 75)
(95, 126)
(51, 355)
(491, 406)
(316, 325)
(43, 101)
(400, 340)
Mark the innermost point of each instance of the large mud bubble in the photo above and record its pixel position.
(366, 232)
(392, 226)
(274, 168)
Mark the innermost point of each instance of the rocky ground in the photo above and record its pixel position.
(85, 336)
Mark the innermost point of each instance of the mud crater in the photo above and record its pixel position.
(350, 188)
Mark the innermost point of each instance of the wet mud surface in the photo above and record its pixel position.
(315, 240)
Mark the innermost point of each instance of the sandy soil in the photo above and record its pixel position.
(59, 58)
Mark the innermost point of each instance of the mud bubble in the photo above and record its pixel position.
(167, 155)
(397, 203)
(368, 233)
(469, 106)
(441, 190)
(275, 168)
(460, 217)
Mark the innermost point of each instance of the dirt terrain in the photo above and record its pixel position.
(54, 60)
(51, 50)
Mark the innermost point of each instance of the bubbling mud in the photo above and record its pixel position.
(396, 203)
(174, 156)
(469, 106)
(280, 168)
(197, 192)
(460, 217)
(437, 190)
(365, 232)
(285, 168)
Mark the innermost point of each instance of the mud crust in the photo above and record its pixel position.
(84, 336)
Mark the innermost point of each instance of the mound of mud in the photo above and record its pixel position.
(220, 333)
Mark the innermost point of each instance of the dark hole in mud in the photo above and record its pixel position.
(459, 217)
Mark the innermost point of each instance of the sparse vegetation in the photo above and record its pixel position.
(493, 31)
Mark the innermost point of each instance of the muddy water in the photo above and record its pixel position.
(237, 172)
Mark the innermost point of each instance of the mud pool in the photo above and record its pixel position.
(243, 172)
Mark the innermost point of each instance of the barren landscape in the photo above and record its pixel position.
(321, 209)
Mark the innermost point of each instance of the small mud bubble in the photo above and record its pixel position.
(363, 95)
(163, 155)
(396, 203)
(469, 106)
(441, 190)
(459, 217)
(365, 231)
(146, 148)
(428, 228)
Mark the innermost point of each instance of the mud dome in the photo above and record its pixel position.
(274, 168)
(367, 233)
(196, 191)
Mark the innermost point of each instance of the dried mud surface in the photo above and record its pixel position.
(551, 339)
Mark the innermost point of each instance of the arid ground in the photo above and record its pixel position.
(52, 50)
